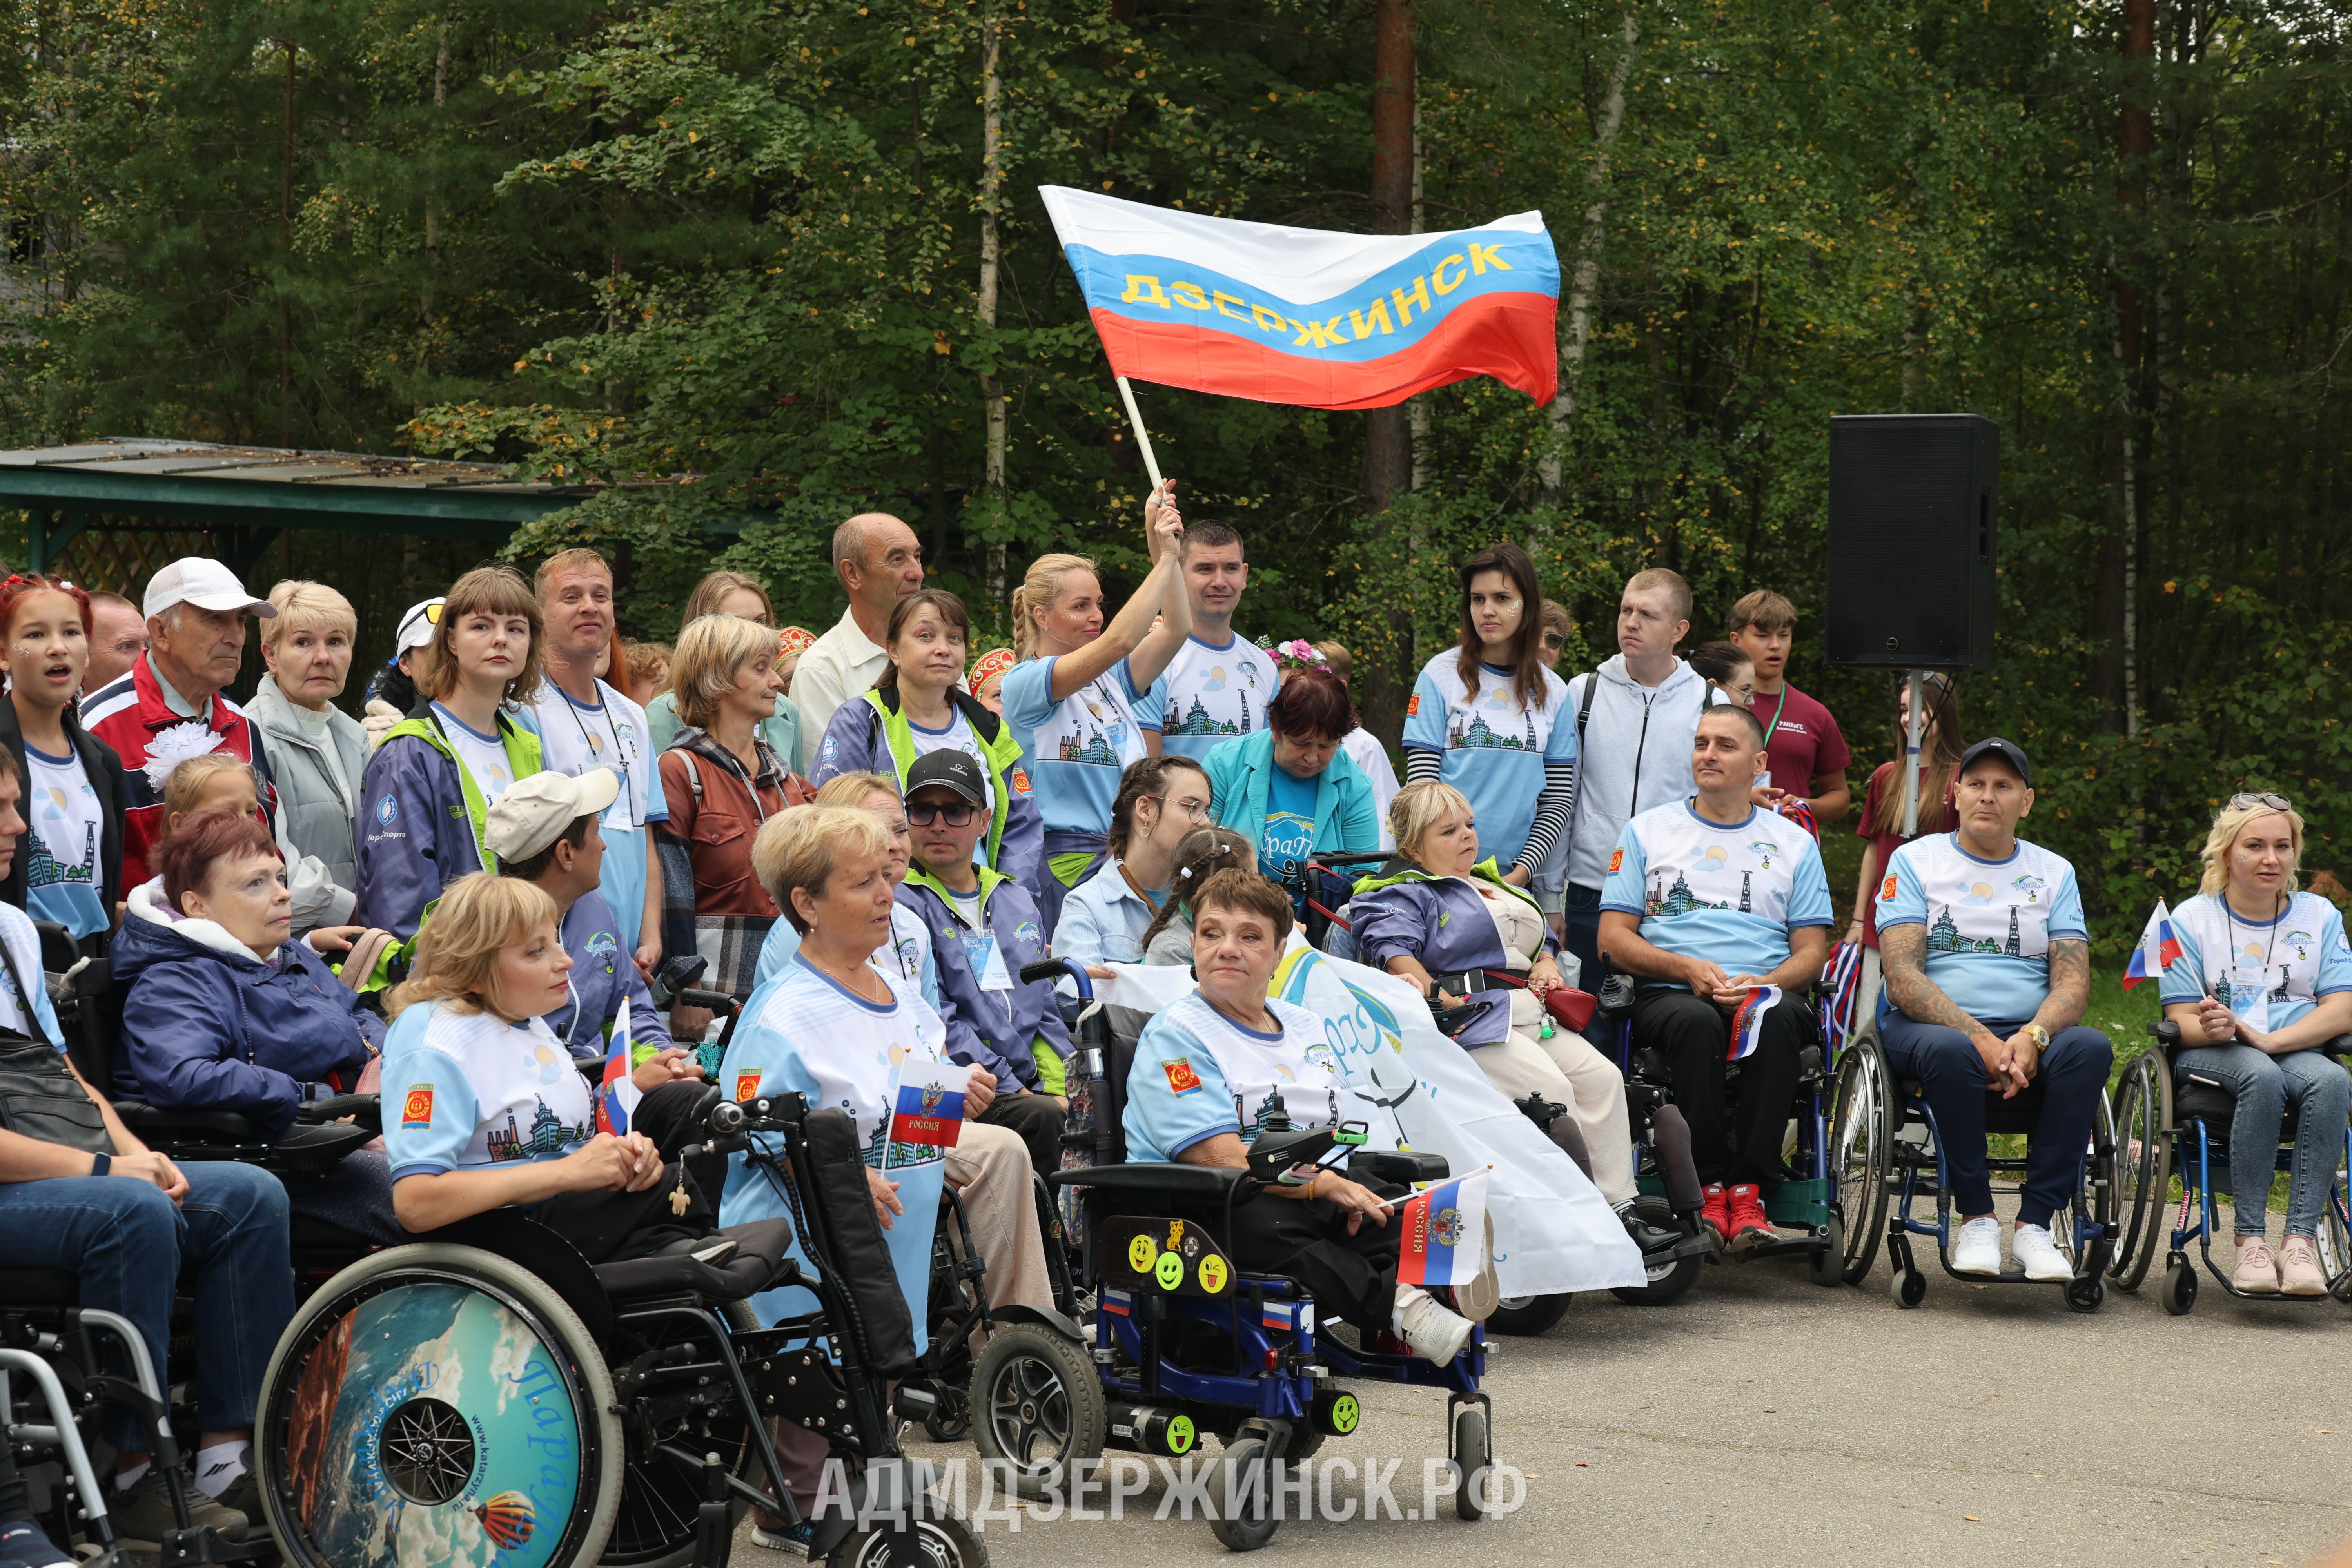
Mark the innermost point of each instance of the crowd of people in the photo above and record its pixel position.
(863, 836)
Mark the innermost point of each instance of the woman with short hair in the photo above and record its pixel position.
(225, 1011)
(1208, 1073)
(431, 783)
(742, 595)
(1448, 916)
(907, 955)
(318, 753)
(920, 706)
(68, 859)
(723, 781)
(1085, 700)
(2262, 987)
(1289, 789)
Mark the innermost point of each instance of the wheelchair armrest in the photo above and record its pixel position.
(1396, 1166)
(154, 1124)
(367, 1110)
(307, 1150)
(1169, 1181)
(2164, 1032)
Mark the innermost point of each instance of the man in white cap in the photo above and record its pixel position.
(544, 830)
(170, 708)
(392, 694)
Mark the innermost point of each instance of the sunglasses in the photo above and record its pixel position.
(2248, 802)
(922, 814)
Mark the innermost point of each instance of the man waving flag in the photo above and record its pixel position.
(1307, 316)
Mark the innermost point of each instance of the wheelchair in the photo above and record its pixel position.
(1175, 1339)
(1889, 1147)
(2171, 1123)
(1822, 1192)
(1325, 892)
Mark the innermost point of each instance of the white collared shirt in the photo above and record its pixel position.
(840, 665)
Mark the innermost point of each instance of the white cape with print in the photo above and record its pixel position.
(1416, 1089)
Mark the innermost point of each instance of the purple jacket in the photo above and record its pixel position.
(1443, 924)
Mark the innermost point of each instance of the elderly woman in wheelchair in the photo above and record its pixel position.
(97, 1221)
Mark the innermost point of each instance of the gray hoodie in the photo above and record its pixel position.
(1634, 753)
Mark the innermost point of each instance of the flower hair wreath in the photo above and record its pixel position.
(1298, 654)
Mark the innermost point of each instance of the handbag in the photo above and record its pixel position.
(40, 1096)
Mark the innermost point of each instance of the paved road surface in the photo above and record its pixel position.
(1764, 1420)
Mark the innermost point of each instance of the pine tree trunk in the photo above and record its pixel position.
(1587, 276)
(2116, 670)
(1387, 432)
(991, 185)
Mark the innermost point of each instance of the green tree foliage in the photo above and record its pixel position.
(724, 256)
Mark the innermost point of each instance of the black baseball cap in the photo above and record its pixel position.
(951, 769)
(2007, 751)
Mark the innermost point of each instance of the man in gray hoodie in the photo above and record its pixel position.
(1634, 719)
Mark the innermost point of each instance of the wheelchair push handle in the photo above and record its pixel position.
(709, 1001)
(363, 1108)
(1056, 969)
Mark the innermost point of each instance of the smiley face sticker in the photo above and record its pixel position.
(1140, 1252)
(1213, 1274)
(1169, 1270)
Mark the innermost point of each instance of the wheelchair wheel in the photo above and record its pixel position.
(656, 1524)
(1241, 1498)
(2180, 1284)
(1669, 1280)
(947, 1542)
(1037, 1403)
(1862, 1139)
(1473, 1458)
(1527, 1316)
(2143, 1166)
(436, 1402)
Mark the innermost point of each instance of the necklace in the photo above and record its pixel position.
(628, 763)
(2231, 915)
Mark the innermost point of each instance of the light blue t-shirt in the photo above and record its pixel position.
(2287, 964)
(1290, 824)
(1197, 1073)
(63, 868)
(1077, 750)
(1990, 922)
(24, 947)
(1727, 894)
(1494, 749)
(1213, 694)
(611, 732)
(906, 956)
(468, 1090)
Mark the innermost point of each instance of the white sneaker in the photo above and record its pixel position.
(1976, 1249)
(2032, 1247)
(1478, 1299)
(1434, 1333)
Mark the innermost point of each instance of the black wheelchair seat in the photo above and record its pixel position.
(1208, 1184)
(39, 1287)
(2196, 1100)
(759, 1257)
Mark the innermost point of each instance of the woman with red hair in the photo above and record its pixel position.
(70, 856)
(226, 1012)
(1289, 789)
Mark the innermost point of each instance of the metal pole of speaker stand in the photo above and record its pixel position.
(1916, 723)
(1142, 436)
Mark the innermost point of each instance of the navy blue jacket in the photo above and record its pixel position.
(209, 1027)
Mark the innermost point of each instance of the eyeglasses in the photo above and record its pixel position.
(922, 814)
(2248, 802)
(1554, 640)
(1194, 810)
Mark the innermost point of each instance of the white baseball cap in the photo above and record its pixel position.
(205, 583)
(535, 811)
(416, 626)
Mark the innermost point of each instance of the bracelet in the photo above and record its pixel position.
(98, 1164)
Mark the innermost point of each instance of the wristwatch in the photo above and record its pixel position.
(98, 1164)
(2041, 1037)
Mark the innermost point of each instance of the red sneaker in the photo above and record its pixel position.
(1748, 1223)
(1715, 1213)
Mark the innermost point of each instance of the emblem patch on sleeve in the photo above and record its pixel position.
(1181, 1079)
(1412, 705)
(1616, 859)
(416, 1106)
(1886, 890)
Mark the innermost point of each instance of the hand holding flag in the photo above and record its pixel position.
(2156, 950)
(1444, 1238)
(1748, 1021)
(617, 1094)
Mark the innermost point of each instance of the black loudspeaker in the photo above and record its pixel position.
(1915, 501)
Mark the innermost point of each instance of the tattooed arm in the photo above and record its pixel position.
(1903, 957)
(2070, 983)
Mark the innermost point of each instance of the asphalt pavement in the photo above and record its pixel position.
(1765, 1420)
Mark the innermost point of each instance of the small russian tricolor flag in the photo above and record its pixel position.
(618, 1094)
(928, 1114)
(2156, 950)
(1445, 1233)
(1748, 1021)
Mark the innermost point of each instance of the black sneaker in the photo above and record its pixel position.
(143, 1511)
(243, 1496)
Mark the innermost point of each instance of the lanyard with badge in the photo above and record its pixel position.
(627, 766)
(986, 956)
(2249, 991)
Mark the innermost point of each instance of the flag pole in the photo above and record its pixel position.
(1142, 436)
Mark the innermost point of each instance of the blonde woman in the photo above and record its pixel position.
(2263, 984)
(740, 594)
(491, 1111)
(722, 782)
(1448, 918)
(1084, 701)
(318, 753)
(429, 787)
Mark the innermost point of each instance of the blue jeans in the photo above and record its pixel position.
(1952, 1080)
(129, 1246)
(2265, 1085)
